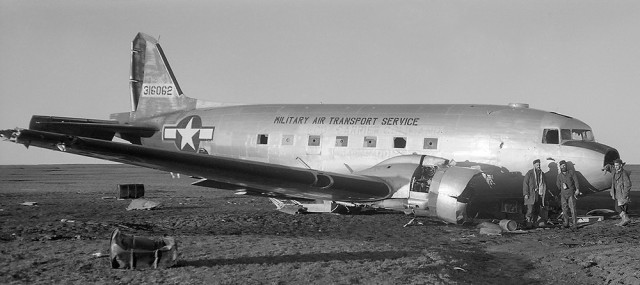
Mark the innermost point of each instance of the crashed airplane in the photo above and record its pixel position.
(451, 162)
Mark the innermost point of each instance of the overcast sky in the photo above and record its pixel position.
(580, 58)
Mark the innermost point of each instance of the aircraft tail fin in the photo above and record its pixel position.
(154, 88)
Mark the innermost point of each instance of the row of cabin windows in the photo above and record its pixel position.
(343, 141)
(549, 136)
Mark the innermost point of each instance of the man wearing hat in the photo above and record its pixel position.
(620, 188)
(569, 186)
(534, 188)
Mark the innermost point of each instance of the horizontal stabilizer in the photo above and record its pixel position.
(91, 128)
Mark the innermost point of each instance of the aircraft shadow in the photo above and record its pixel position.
(294, 258)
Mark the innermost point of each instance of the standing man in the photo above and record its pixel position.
(567, 182)
(620, 188)
(534, 188)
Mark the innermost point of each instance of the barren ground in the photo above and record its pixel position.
(229, 239)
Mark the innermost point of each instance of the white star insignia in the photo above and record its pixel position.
(189, 134)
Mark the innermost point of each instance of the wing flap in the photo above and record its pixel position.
(266, 177)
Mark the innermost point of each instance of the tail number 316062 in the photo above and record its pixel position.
(157, 90)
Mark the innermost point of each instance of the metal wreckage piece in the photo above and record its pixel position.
(134, 252)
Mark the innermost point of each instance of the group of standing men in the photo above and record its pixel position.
(534, 189)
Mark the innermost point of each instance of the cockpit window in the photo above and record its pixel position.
(550, 136)
(576, 135)
(584, 135)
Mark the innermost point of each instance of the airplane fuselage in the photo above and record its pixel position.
(501, 140)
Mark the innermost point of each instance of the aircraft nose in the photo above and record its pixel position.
(591, 161)
(610, 153)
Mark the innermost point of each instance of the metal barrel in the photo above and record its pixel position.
(508, 225)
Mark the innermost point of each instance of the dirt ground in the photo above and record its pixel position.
(229, 239)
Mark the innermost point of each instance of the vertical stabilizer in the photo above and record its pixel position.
(154, 89)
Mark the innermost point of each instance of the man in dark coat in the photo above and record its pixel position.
(534, 189)
(620, 188)
(569, 186)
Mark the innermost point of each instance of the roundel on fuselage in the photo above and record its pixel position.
(188, 133)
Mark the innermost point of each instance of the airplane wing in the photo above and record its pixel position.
(270, 179)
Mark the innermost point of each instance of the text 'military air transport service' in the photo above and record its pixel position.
(451, 162)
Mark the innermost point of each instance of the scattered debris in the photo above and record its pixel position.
(124, 226)
(490, 229)
(519, 232)
(582, 225)
(588, 263)
(56, 237)
(508, 225)
(459, 268)
(142, 204)
(587, 219)
(292, 207)
(130, 191)
(29, 203)
(130, 252)
(602, 212)
(99, 254)
(108, 197)
(503, 226)
(413, 221)
(67, 221)
(570, 244)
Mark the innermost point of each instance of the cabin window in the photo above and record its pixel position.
(370, 141)
(287, 139)
(263, 139)
(550, 136)
(430, 143)
(314, 140)
(565, 134)
(399, 142)
(342, 141)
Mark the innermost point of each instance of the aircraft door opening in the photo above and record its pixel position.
(421, 179)
(420, 186)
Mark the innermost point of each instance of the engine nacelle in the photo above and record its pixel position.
(451, 191)
(428, 186)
